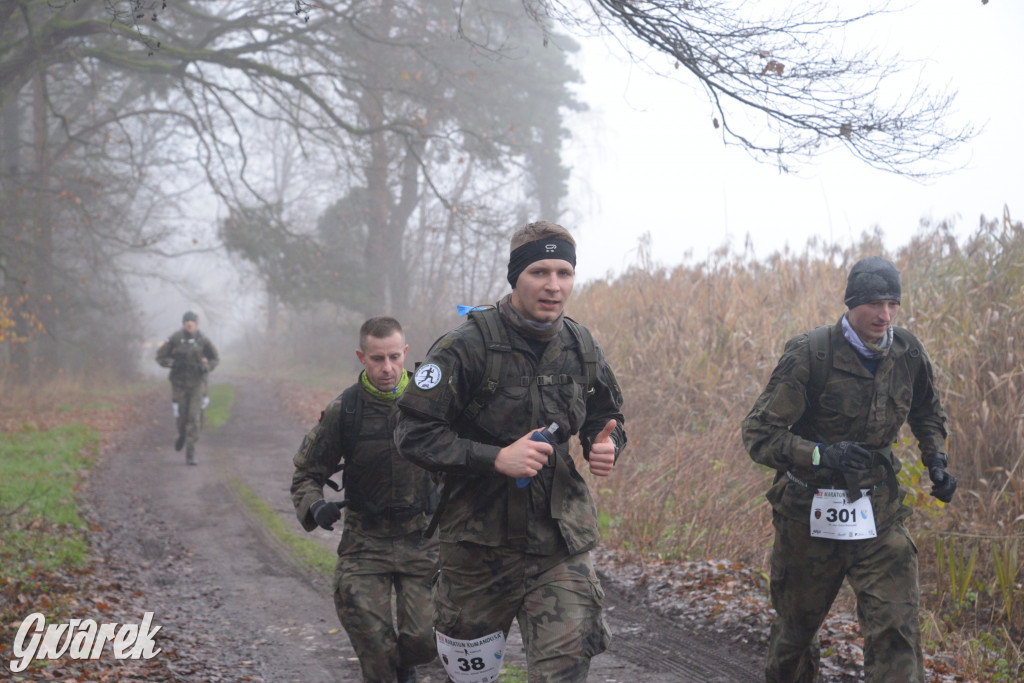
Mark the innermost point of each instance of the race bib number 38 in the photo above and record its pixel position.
(472, 661)
(834, 516)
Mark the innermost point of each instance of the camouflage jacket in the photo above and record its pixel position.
(183, 353)
(786, 424)
(555, 513)
(386, 495)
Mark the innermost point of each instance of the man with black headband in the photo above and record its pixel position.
(517, 520)
(826, 423)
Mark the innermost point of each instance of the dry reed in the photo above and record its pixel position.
(693, 347)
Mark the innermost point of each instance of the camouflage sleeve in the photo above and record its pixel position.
(316, 460)
(765, 430)
(603, 405)
(432, 402)
(211, 355)
(164, 355)
(927, 419)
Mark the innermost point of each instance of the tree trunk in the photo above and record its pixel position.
(378, 250)
(10, 125)
(43, 360)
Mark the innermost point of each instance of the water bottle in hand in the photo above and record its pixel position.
(546, 434)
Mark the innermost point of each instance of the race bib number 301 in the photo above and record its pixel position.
(472, 661)
(834, 516)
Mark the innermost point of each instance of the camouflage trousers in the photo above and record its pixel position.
(190, 410)
(557, 603)
(806, 574)
(370, 570)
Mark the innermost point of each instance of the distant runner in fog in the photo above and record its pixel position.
(190, 356)
(827, 422)
(517, 520)
(388, 503)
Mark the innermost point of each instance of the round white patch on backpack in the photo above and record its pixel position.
(427, 376)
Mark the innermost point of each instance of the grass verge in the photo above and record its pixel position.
(222, 398)
(40, 529)
(309, 553)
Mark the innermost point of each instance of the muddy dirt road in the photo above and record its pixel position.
(235, 607)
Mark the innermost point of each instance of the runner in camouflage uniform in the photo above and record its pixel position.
(511, 552)
(838, 435)
(388, 501)
(190, 356)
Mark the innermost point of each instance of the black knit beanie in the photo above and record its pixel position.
(872, 279)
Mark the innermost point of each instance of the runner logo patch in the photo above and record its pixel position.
(427, 376)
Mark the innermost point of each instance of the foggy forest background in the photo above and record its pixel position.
(373, 158)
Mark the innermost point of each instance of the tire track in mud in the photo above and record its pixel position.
(643, 636)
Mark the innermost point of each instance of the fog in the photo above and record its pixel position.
(374, 162)
(648, 162)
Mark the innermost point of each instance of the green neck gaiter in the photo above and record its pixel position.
(384, 395)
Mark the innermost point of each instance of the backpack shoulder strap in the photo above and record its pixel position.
(351, 412)
(914, 349)
(349, 426)
(588, 352)
(820, 343)
(497, 344)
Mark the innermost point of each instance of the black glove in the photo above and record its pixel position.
(325, 514)
(849, 457)
(943, 483)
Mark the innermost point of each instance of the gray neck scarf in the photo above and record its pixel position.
(867, 349)
(542, 332)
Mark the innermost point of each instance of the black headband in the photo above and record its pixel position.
(538, 250)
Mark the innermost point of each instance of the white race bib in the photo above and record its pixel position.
(472, 661)
(834, 516)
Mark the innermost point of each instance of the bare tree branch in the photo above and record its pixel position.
(778, 81)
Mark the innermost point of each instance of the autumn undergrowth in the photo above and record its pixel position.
(51, 434)
(693, 346)
(44, 542)
(63, 399)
